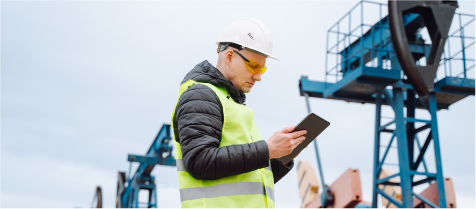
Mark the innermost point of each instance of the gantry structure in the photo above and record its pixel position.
(390, 63)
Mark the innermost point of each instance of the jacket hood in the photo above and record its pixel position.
(207, 73)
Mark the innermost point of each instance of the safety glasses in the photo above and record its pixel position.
(253, 66)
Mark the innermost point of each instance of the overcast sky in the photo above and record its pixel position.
(83, 84)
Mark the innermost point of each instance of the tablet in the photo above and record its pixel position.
(314, 125)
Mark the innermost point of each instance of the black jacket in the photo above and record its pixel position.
(198, 123)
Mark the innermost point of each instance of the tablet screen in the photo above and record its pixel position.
(314, 125)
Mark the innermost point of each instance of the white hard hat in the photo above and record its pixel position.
(251, 34)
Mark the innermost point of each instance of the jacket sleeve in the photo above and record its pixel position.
(199, 118)
(279, 169)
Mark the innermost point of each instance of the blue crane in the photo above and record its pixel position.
(159, 153)
(389, 63)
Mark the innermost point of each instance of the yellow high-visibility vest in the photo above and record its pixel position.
(254, 189)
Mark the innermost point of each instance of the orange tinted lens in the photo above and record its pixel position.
(255, 67)
(263, 70)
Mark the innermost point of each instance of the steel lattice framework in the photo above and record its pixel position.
(389, 63)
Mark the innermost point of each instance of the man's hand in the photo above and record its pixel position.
(283, 142)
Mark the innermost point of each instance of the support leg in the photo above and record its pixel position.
(378, 109)
(315, 145)
(153, 198)
(136, 198)
(403, 155)
(326, 195)
(436, 142)
(411, 106)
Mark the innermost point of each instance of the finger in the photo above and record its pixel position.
(288, 129)
(296, 134)
(299, 140)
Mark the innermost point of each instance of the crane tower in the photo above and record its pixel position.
(390, 63)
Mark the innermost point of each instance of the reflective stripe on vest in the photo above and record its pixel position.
(253, 189)
(240, 188)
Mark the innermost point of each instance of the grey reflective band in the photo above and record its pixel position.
(240, 188)
(270, 193)
(179, 164)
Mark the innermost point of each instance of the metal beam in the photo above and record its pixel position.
(410, 119)
(377, 164)
(436, 142)
(429, 179)
(326, 195)
(422, 152)
(419, 149)
(385, 126)
(315, 144)
(142, 178)
(143, 159)
(381, 181)
(379, 167)
(421, 128)
(403, 157)
(390, 198)
(425, 200)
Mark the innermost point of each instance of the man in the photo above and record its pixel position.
(221, 159)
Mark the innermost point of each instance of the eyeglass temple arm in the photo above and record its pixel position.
(242, 56)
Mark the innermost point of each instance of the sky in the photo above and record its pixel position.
(84, 84)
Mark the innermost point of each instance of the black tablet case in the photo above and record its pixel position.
(314, 125)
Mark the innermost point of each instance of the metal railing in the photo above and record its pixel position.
(460, 59)
(340, 59)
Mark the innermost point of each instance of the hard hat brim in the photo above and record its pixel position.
(252, 50)
(262, 53)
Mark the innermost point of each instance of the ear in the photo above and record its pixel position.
(228, 56)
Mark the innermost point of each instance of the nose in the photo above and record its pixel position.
(257, 77)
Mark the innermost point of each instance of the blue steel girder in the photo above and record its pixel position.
(142, 179)
(358, 79)
(362, 84)
(376, 42)
(408, 165)
(358, 86)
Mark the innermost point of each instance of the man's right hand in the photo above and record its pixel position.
(283, 142)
